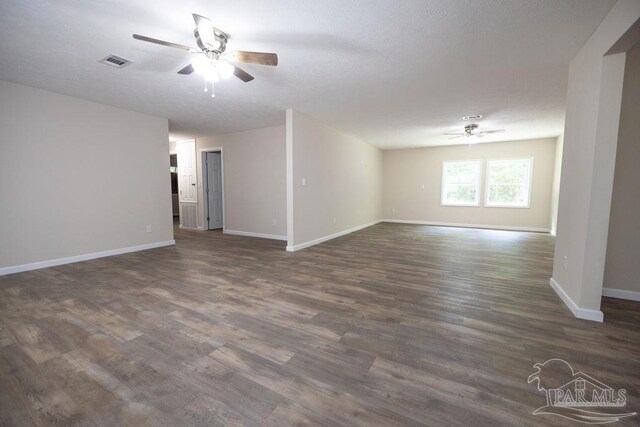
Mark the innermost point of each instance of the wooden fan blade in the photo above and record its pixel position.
(242, 74)
(187, 70)
(262, 58)
(162, 42)
(493, 131)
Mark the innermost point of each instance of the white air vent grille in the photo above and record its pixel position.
(188, 216)
(474, 117)
(115, 61)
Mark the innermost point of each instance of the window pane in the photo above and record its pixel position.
(462, 173)
(461, 183)
(507, 172)
(461, 193)
(508, 182)
(508, 194)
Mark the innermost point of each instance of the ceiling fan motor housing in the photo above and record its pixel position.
(471, 129)
(220, 38)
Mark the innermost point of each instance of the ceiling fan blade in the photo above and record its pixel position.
(242, 74)
(162, 42)
(452, 134)
(493, 131)
(454, 137)
(262, 58)
(205, 31)
(187, 70)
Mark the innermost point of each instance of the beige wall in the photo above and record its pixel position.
(622, 269)
(343, 180)
(78, 177)
(254, 180)
(590, 137)
(405, 172)
(555, 188)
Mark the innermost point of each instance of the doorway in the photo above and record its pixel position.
(213, 190)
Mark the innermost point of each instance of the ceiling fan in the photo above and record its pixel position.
(472, 130)
(212, 60)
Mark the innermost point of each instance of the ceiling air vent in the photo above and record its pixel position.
(474, 117)
(115, 61)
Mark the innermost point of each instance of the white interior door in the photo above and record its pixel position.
(187, 179)
(213, 190)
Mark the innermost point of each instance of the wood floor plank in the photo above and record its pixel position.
(392, 325)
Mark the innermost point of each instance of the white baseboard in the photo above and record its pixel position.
(464, 225)
(580, 313)
(621, 294)
(293, 248)
(85, 257)
(250, 234)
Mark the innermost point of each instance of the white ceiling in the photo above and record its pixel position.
(396, 73)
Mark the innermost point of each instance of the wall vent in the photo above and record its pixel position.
(473, 117)
(188, 215)
(115, 61)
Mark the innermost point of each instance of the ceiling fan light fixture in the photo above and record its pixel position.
(225, 69)
(211, 61)
(200, 63)
(206, 68)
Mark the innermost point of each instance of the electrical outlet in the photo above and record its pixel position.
(273, 221)
(148, 228)
(565, 262)
(304, 182)
(335, 220)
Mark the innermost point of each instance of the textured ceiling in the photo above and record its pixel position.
(396, 73)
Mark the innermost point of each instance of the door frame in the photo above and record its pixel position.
(205, 206)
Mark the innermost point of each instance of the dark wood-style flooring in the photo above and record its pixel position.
(392, 325)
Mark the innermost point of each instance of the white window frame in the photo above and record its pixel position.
(488, 204)
(443, 193)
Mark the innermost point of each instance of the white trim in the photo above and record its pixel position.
(621, 294)
(487, 204)
(251, 234)
(443, 183)
(580, 313)
(85, 257)
(293, 248)
(463, 225)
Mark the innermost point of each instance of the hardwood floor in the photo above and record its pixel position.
(392, 325)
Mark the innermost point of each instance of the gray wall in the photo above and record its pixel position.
(78, 177)
(405, 172)
(590, 137)
(343, 180)
(555, 188)
(622, 268)
(254, 180)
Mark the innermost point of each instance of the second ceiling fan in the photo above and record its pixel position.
(212, 60)
(472, 130)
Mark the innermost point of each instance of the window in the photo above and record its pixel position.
(461, 183)
(509, 183)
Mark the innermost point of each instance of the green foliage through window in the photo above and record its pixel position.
(508, 182)
(461, 183)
